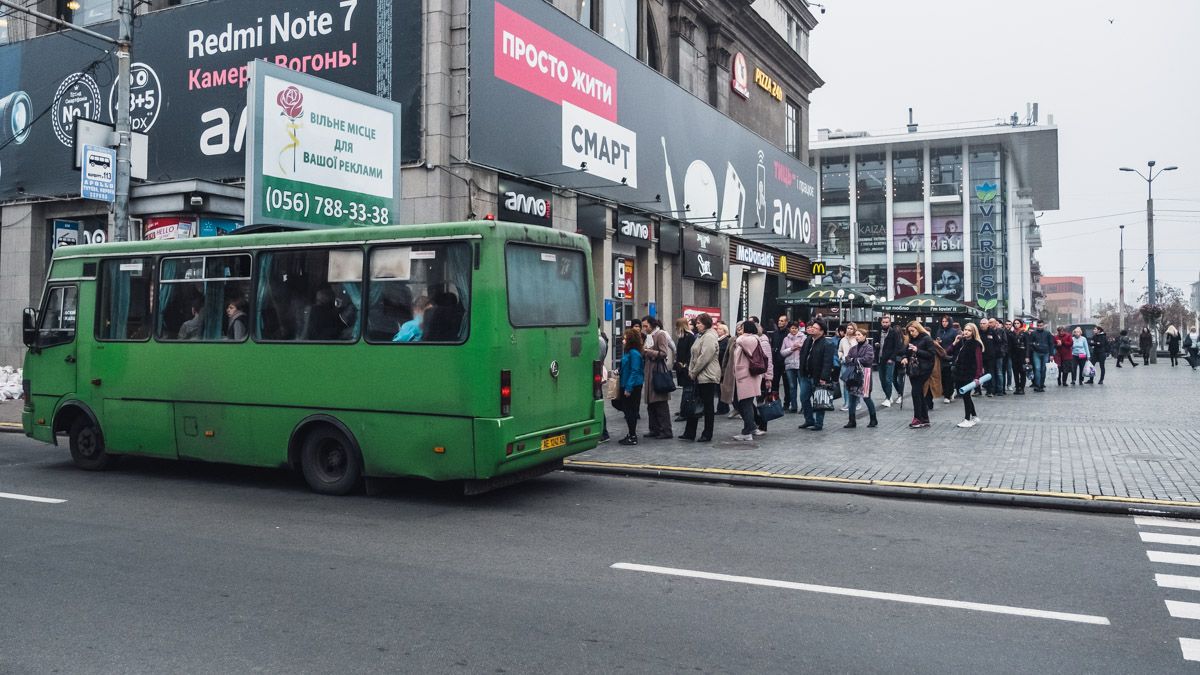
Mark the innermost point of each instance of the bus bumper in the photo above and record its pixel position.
(499, 451)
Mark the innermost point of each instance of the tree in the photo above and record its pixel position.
(1108, 315)
(1174, 306)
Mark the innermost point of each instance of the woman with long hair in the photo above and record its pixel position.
(1173, 341)
(632, 378)
(746, 386)
(918, 360)
(967, 353)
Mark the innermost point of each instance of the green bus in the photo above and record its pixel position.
(458, 351)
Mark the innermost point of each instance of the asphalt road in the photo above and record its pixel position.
(178, 567)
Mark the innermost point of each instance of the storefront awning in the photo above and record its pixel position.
(825, 296)
(928, 304)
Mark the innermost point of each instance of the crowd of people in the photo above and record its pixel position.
(760, 373)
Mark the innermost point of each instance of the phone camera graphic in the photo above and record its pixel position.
(16, 113)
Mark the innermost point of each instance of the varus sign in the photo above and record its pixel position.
(549, 97)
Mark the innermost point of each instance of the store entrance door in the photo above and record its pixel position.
(623, 318)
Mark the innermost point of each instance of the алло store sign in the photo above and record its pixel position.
(549, 97)
(522, 202)
(703, 257)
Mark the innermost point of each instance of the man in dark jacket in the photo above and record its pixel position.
(816, 369)
(776, 337)
(1016, 355)
(946, 336)
(991, 353)
(1041, 346)
(891, 340)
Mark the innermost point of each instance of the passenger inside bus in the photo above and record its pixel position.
(193, 328)
(322, 321)
(413, 329)
(444, 319)
(235, 309)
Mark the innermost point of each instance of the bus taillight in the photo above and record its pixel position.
(597, 380)
(505, 393)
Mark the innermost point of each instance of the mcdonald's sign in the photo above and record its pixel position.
(921, 302)
(818, 268)
(822, 294)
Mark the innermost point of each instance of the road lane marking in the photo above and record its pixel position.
(1176, 539)
(1183, 610)
(1174, 558)
(874, 595)
(1191, 648)
(1176, 581)
(27, 498)
(1151, 521)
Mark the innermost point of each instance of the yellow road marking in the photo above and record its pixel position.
(884, 483)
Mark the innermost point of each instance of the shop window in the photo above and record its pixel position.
(419, 293)
(85, 12)
(195, 294)
(871, 177)
(835, 181)
(792, 129)
(908, 176)
(945, 173)
(309, 296)
(124, 313)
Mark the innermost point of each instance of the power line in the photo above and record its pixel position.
(1079, 220)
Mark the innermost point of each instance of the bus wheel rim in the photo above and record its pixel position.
(87, 443)
(332, 460)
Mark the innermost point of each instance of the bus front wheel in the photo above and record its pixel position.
(330, 462)
(87, 445)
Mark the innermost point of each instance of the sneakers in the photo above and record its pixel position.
(900, 400)
(745, 438)
(975, 419)
(945, 400)
(732, 414)
(887, 403)
(918, 425)
(845, 408)
(759, 432)
(629, 440)
(966, 424)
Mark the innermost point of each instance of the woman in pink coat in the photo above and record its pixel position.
(747, 387)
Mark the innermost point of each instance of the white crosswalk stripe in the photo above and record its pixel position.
(1161, 538)
(1183, 610)
(1176, 581)
(1191, 648)
(1151, 521)
(1174, 558)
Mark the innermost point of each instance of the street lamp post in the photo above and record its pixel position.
(1152, 292)
(1121, 306)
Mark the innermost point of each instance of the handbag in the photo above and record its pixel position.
(771, 408)
(852, 375)
(823, 398)
(690, 405)
(661, 381)
(618, 401)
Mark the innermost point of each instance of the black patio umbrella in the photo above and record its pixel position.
(928, 304)
(824, 296)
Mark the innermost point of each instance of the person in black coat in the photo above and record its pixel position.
(1145, 344)
(1099, 351)
(1173, 341)
(918, 360)
(968, 368)
(816, 370)
(891, 342)
(1016, 355)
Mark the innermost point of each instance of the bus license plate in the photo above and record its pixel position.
(554, 442)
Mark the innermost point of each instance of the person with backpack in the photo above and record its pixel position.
(768, 382)
(1125, 349)
(748, 363)
(816, 370)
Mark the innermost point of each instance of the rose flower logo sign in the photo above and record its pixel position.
(291, 103)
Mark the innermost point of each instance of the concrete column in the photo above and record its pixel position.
(928, 220)
(889, 215)
(22, 269)
(968, 272)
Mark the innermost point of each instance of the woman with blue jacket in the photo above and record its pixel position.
(1081, 353)
(632, 379)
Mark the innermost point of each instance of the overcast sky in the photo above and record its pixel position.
(1121, 93)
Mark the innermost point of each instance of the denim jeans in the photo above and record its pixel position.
(886, 372)
(793, 393)
(1039, 369)
(865, 399)
(812, 417)
(1007, 369)
(745, 407)
(994, 368)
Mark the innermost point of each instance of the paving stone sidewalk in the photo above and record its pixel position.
(1137, 436)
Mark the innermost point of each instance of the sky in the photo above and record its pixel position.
(1122, 80)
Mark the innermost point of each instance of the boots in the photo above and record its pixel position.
(852, 423)
(874, 422)
(631, 439)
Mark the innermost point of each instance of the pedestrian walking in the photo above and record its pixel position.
(918, 361)
(947, 334)
(816, 370)
(684, 339)
(1100, 349)
(632, 376)
(844, 346)
(604, 375)
(935, 386)
(1018, 348)
(1173, 342)
(1145, 344)
(790, 349)
(704, 369)
(768, 384)
(1041, 348)
(991, 354)
(658, 355)
(723, 342)
(891, 341)
(968, 368)
(746, 385)
(1125, 349)
(1006, 368)
(1062, 349)
(860, 359)
(1192, 344)
(1081, 353)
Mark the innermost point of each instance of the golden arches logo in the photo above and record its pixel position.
(821, 294)
(921, 302)
(818, 267)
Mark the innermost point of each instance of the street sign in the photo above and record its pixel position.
(98, 179)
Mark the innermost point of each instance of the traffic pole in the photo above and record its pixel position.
(124, 42)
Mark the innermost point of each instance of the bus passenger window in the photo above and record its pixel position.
(419, 293)
(124, 299)
(309, 296)
(194, 293)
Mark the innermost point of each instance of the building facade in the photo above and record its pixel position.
(952, 213)
(671, 133)
(1066, 300)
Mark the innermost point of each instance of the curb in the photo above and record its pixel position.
(10, 428)
(896, 489)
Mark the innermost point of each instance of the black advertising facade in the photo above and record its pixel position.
(703, 256)
(188, 82)
(549, 96)
(524, 202)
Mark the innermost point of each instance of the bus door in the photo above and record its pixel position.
(50, 363)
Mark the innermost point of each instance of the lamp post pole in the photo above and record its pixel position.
(1121, 307)
(1151, 290)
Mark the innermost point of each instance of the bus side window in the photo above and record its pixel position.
(309, 296)
(194, 293)
(57, 325)
(124, 313)
(419, 293)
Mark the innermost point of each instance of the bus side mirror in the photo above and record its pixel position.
(29, 327)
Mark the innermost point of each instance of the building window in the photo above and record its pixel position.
(85, 12)
(4, 29)
(908, 180)
(791, 141)
(872, 176)
(835, 181)
(620, 24)
(945, 173)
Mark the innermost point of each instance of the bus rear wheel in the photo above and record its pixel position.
(330, 462)
(87, 445)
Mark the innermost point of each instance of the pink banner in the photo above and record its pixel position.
(540, 62)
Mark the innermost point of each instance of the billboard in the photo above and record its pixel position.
(948, 280)
(909, 280)
(189, 77)
(319, 153)
(835, 237)
(947, 233)
(550, 97)
(908, 235)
